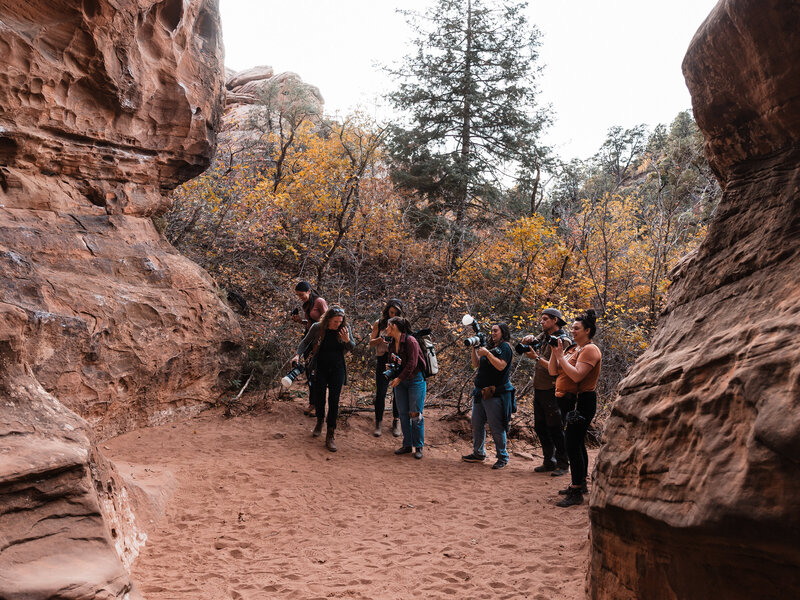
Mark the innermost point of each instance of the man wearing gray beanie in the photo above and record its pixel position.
(547, 418)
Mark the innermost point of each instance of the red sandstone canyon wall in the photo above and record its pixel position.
(105, 105)
(697, 492)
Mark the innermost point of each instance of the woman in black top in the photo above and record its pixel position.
(314, 307)
(329, 340)
(493, 396)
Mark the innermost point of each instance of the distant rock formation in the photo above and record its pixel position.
(104, 106)
(246, 89)
(697, 492)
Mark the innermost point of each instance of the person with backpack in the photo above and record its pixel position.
(407, 366)
(493, 395)
(393, 308)
(328, 340)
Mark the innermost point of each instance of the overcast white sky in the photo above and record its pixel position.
(607, 62)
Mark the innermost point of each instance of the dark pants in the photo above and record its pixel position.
(576, 438)
(329, 377)
(381, 387)
(548, 425)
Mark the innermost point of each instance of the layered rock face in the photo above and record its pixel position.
(257, 92)
(697, 493)
(67, 526)
(103, 107)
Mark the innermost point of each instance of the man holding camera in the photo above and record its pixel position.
(547, 418)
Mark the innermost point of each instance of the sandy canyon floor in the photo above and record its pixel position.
(262, 510)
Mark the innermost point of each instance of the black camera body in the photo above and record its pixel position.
(522, 348)
(574, 418)
(289, 378)
(393, 367)
(553, 339)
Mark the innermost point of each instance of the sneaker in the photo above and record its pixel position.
(397, 431)
(473, 457)
(377, 432)
(500, 464)
(418, 453)
(404, 450)
(568, 489)
(570, 499)
(559, 471)
(545, 467)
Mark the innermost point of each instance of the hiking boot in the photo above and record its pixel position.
(475, 458)
(377, 432)
(397, 431)
(330, 443)
(572, 498)
(317, 429)
(310, 411)
(500, 464)
(561, 469)
(583, 490)
(418, 453)
(545, 467)
(404, 450)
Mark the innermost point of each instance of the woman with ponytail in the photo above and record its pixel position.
(577, 370)
(393, 308)
(409, 385)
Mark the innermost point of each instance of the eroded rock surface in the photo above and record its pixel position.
(104, 106)
(67, 526)
(697, 493)
(104, 327)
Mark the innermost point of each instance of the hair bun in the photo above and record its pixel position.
(591, 314)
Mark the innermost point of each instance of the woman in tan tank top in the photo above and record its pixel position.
(577, 371)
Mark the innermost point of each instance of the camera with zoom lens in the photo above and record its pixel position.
(393, 367)
(477, 340)
(288, 380)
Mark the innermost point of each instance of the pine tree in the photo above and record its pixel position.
(469, 95)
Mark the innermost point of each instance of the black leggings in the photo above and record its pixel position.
(576, 438)
(329, 377)
(381, 387)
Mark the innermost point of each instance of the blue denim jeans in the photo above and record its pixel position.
(409, 396)
(488, 411)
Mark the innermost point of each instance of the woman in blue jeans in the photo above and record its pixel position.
(493, 396)
(409, 384)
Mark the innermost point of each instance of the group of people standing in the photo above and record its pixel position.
(565, 378)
